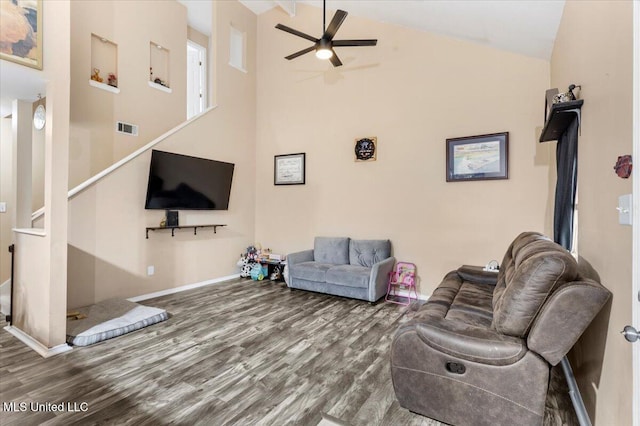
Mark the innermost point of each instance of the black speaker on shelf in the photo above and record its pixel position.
(172, 217)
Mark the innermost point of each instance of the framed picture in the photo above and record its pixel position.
(366, 149)
(289, 169)
(21, 34)
(481, 157)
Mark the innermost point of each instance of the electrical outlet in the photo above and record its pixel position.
(3, 207)
(151, 270)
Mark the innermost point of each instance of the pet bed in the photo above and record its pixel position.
(110, 318)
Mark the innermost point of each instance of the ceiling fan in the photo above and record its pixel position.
(324, 45)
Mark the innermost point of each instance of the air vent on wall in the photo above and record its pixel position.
(126, 128)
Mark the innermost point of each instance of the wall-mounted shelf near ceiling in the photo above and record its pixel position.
(173, 228)
(559, 118)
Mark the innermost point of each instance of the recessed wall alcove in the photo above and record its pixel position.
(159, 67)
(104, 64)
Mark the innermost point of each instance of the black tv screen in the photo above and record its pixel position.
(182, 182)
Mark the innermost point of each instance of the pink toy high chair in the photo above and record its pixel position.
(404, 275)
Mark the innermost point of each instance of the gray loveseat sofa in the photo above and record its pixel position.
(344, 267)
(480, 350)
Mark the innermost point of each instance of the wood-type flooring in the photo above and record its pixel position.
(240, 352)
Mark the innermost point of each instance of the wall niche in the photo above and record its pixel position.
(159, 67)
(104, 64)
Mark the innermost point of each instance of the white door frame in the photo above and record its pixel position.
(635, 315)
(203, 74)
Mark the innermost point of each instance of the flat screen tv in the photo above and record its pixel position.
(182, 182)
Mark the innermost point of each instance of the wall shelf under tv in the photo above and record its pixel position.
(173, 228)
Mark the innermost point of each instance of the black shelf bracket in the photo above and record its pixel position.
(560, 116)
(173, 228)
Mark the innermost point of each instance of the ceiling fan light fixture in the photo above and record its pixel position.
(323, 53)
(325, 44)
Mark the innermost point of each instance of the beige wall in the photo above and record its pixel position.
(132, 26)
(197, 37)
(6, 195)
(108, 252)
(413, 91)
(594, 49)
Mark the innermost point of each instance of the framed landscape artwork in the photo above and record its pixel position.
(289, 169)
(21, 32)
(482, 157)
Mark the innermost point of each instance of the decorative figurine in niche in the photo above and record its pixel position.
(96, 76)
(623, 166)
(566, 96)
(112, 80)
(160, 82)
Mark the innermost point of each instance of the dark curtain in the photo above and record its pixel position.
(567, 169)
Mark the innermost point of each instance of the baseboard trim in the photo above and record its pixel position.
(405, 293)
(41, 349)
(182, 288)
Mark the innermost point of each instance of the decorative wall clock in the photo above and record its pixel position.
(366, 149)
(39, 117)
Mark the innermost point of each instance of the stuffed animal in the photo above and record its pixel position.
(275, 275)
(246, 271)
(245, 266)
(252, 253)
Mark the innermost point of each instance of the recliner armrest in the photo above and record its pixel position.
(564, 317)
(475, 274)
(470, 343)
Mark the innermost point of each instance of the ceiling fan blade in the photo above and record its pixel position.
(296, 32)
(343, 43)
(335, 60)
(300, 53)
(335, 23)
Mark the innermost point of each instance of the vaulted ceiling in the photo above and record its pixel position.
(527, 27)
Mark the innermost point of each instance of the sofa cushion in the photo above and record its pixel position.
(310, 271)
(534, 270)
(368, 252)
(331, 250)
(349, 276)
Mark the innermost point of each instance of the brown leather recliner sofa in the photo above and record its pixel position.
(479, 352)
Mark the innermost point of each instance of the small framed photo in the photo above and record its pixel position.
(289, 169)
(21, 38)
(482, 157)
(366, 149)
